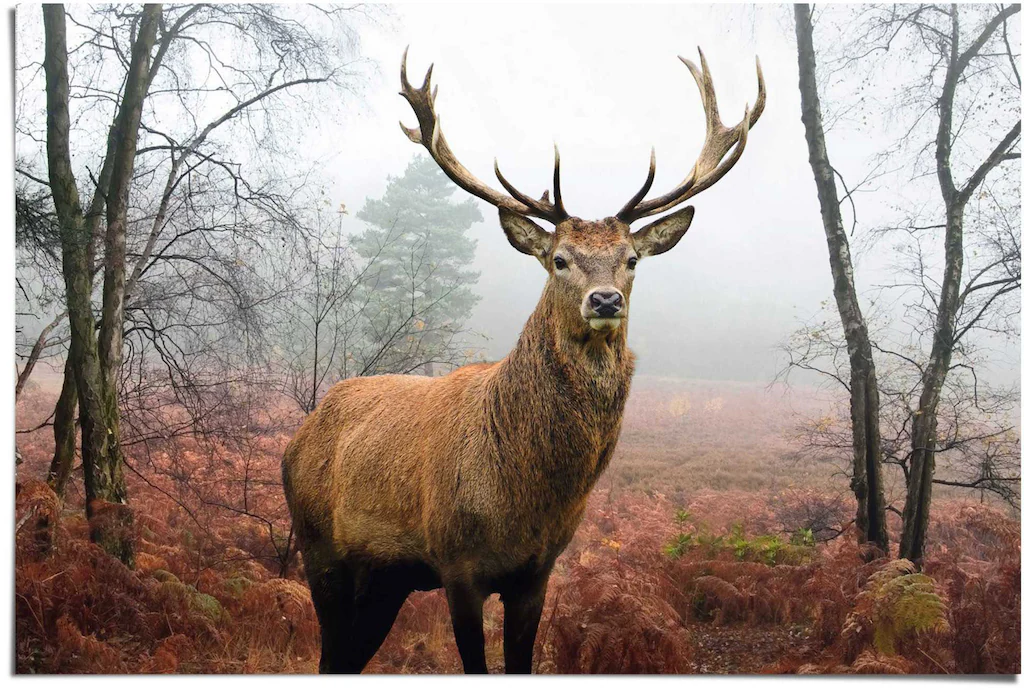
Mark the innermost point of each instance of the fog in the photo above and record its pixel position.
(604, 82)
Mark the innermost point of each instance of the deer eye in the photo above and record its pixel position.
(631, 264)
(560, 263)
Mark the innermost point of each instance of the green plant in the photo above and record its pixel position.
(899, 601)
(712, 543)
(802, 537)
(738, 542)
(769, 549)
(679, 545)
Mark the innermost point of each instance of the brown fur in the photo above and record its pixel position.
(478, 478)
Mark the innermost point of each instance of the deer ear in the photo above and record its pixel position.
(663, 234)
(524, 234)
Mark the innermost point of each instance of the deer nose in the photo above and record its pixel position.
(606, 304)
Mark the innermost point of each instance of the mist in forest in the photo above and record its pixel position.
(222, 234)
(604, 83)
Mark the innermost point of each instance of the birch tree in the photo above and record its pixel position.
(862, 385)
(959, 57)
(96, 359)
(944, 89)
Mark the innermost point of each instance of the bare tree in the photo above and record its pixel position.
(320, 314)
(954, 104)
(95, 361)
(868, 480)
(959, 58)
(167, 197)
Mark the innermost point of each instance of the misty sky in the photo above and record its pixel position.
(604, 82)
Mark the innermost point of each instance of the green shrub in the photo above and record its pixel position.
(802, 537)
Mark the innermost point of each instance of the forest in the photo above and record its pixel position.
(197, 267)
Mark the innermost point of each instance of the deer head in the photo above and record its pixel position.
(591, 264)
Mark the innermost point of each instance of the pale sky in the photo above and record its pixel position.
(604, 82)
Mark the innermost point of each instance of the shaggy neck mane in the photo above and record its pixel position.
(554, 407)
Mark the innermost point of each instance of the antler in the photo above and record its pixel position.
(718, 139)
(430, 136)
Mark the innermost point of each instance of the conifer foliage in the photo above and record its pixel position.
(418, 290)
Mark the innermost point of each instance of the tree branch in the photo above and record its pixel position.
(997, 156)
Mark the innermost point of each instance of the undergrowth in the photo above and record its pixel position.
(641, 582)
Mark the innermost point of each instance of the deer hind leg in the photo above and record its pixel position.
(466, 602)
(356, 605)
(332, 589)
(379, 597)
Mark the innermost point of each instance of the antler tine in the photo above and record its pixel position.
(762, 94)
(559, 206)
(718, 140)
(516, 194)
(430, 136)
(543, 208)
(706, 87)
(639, 196)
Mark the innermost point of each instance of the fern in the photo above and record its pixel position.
(900, 602)
(870, 662)
(712, 543)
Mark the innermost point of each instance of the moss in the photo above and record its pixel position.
(205, 605)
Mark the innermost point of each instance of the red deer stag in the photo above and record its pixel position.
(476, 481)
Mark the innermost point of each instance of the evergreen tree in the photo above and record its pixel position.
(418, 291)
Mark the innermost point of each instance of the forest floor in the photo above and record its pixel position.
(739, 648)
(710, 546)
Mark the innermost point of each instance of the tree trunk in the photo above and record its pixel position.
(922, 458)
(867, 483)
(64, 433)
(127, 133)
(96, 362)
(944, 338)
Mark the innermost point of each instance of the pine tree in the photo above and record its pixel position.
(418, 291)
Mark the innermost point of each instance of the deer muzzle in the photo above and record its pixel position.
(604, 308)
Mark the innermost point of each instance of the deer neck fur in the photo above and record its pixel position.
(554, 407)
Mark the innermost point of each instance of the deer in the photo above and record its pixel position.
(476, 481)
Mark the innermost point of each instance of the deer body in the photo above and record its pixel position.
(505, 485)
(476, 481)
